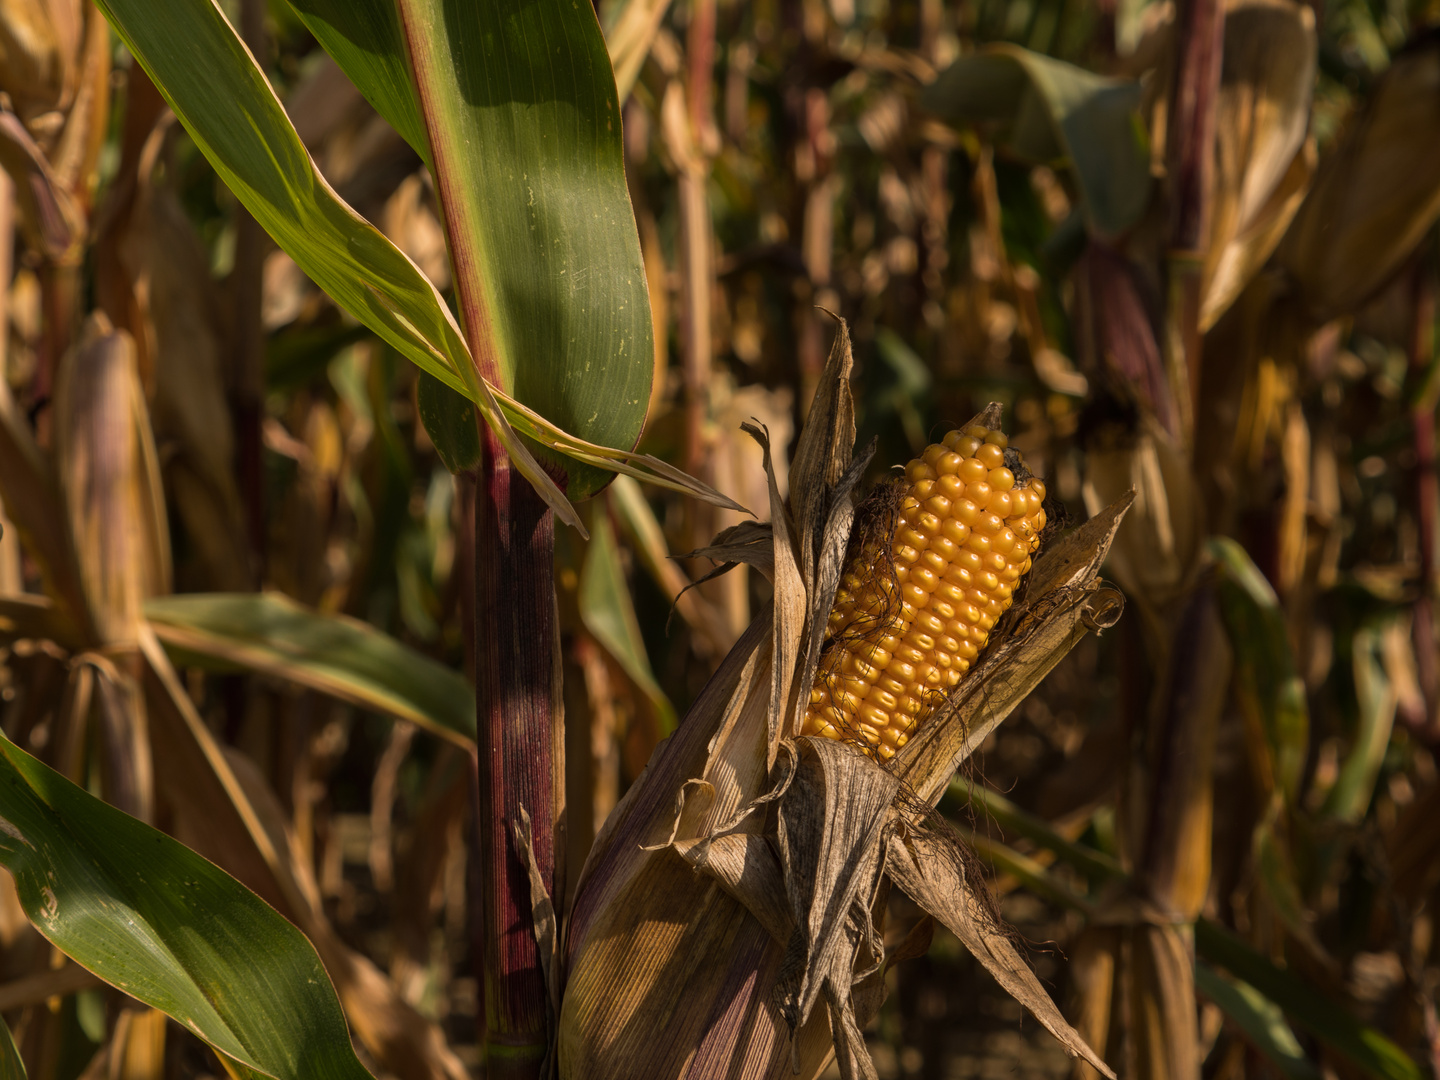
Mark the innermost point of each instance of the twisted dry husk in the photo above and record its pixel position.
(727, 921)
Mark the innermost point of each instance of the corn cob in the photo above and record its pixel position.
(965, 531)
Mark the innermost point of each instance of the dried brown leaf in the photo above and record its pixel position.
(830, 836)
(1263, 164)
(747, 868)
(788, 608)
(750, 542)
(1375, 196)
(53, 224)
(109, 474)
(166, 271)
(223, 808)
(542, 909)
(37, 62)
(30, 491)
(1162, 1002)
(922, 865)
(630, 38)
(1156, 553)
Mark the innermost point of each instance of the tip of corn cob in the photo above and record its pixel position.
(917, 601)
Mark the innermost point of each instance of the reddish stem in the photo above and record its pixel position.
(519, 755)
(1191, 127)
(1190, 151)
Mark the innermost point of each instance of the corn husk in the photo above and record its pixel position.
(39, 40)
(161, 278)
(109, 473)
(1263, 160)
(1156, 553)
(735, 899)
(1375, 196)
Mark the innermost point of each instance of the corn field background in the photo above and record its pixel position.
(1190, 247)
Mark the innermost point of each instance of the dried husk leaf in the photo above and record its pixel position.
(30, 491)
(226, 811)
(177, 318)
(924, 866)
(829, 835)
(38, 42)
(1063, 600)
(1375, 196)
(110, 477)
(1263, 162)
(750, 542)
(1156, 552)
(52, 222)
(738, 883)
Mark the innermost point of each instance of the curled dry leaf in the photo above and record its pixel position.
(110, 476)
(1263, 162)
(53, 223)
(1156, 552)
(155, 282)
(741, 882)
(1375, 196)
(38, 43)
(224, 809)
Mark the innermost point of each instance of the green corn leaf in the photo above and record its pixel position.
(225, 102)
(154, 919)
(608, 613)
(1354, 788)
(11, 1067)
(519, 105)
(228, 107)
(1257, 1016)
(363, 37)
(450, 422)
(1307, 1006)
(341, 657)
(1270, 685)
(1048, 111)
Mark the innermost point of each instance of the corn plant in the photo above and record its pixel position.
(551, 321)
(1214, 245)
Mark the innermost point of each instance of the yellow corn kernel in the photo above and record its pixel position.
(965, 534)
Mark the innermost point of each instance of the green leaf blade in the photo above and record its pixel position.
(11, 1066)
(341, 657)
(520, 106)
(609, 614)
(154, 919)
(1259, 1019)
(1050, 109)
(363, 37)
(224, 101)
(1307, 1006)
